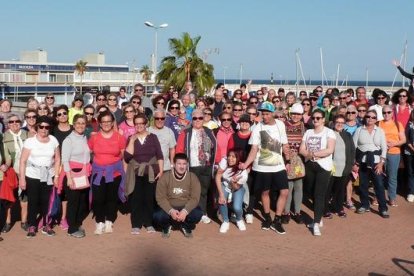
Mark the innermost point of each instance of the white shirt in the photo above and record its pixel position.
(319, 141)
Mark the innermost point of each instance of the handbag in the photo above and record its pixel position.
(81, 178)
(297, 168)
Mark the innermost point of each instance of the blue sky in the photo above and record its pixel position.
(261, 35)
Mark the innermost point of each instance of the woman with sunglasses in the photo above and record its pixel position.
(182, 121)
(307, 113)
(381, 99)
(112, 100)
(100, 99)
(108, 176)
(159, 102)
(237, 95)
(77, 108)
(13, 145)
(143, 152)
(39, 166)
(137, 104)
(30, 116)
(91, 122)
(402, 106)
(43, 110)
(50, 102)
(223, 135)
(362, 111)
(277, 102)
(317, 147)
(209, 122)
(395, 135)
(171, 119)
(371, 153)
(127, 127)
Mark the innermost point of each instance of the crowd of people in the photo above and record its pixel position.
(179, 158)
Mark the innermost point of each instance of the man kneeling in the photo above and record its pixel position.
(178, 195)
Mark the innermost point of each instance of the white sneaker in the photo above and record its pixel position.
(100, 227)
(224, 227)
(249, 219)
(316, 230)
(205, 219)
(410, 198)
(108, 227)
(320, 224)
(241, 225)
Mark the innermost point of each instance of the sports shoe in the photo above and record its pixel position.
(350, 206)
(313, 223)
(24, 226)
(298, 218)
(241, 225)
(100, 227)
(249, 218)
(224, 227)
(151, 229)
(64, 225)
(266, 224)
(187, 232)
(48, 231)
(205, 219)
(316, 230)
(135, 231)
(78, 234)
(285, 219)
(166, 232)
(108, 227)
(342, 214)
(328, 215)
(6, 228)
(277, 226)
(233, 218)
(31, 232)
(410, 198)
(384, 214)
(362, 210)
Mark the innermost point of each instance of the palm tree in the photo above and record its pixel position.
(145, 72)
(80, 69)
(185, 65)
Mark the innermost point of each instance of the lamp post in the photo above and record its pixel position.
(151, 25)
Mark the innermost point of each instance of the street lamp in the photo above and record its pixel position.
(151, 25)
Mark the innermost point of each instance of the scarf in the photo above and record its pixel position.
(204, 147)
(18, 145)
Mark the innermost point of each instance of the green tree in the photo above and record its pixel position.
(80, 69)
(185, 65)
(145, 72)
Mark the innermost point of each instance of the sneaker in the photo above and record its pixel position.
(362, 210)
(241, 225)
(135, 231)
(266, 224)
(285, 219)
(410, 198)
(187, 232)
(108, 227)
(316, 230)
(48, 231)
(166, 232)
(393, 203)
(81, 229)
(151, 229)
(24, 226)
(224, 227)
(277, 226)
(320, 224)
(342, 214)
(328, 215)
(6, 228)
(233, 218)
(205, 219)
(384, 214)
(64, 225)
(298, 218)
(100, 227)
(31, 232)
(78, 234)
(249, 218)
(350, 206)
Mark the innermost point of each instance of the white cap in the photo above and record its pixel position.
(296, 108)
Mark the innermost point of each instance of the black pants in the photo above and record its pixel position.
(204, 175)
(316, 182)
(38, 195)
(105, 200)
(254, 193)
(77, 208)
(336, 192)
(164, 220)
(142, 202)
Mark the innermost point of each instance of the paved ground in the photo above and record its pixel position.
(358, 245)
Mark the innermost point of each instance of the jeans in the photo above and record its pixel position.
(237, 203)
(409, 166)
(297, 186)
(164, 220)
(365, 174)
(391, 169)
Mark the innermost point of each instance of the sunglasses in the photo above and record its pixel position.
(62, 114)
(226, 120)
(50, 97)
(31, 117)
(251, 113)
(100, 99)
(237, 93)
(277, 101)
(174, 107)
(139, 90)
(402, 96)
(136, 102)
(362, 110)
(197, 118)
(343, 98)
(339, 123)
(15, 122)
(371, 117)
(386, 112)
(161, 103)
(253, 102)
(88, 114)
(306, 104)
(351, 112)
(112, 99)
(159, 118)
(44, 127)
(380, 98)
(319, 91)
(237, 109)
(316, 118)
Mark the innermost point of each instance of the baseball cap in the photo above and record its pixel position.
(266, 106)
(296, 108)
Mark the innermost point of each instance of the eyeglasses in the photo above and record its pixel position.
(316, 118)
(62, 114)
(238, 93)
(159, 118)
(106, 122)
(197, 118)
(138, 89)
(362, 110)
(226, 120)
(237, 109)
(386, 112)
(31, 117)
(88, 113)
(161, 103)
(343, 98)
(100, 99)
(254, 102)
(50, 97)
(129, 111)
(207, 114)
(15, 122)
(136, 102)
(402, 96)
(371, 117)
(44, 127)
(111, 99)
(380, 98)
(351, 112)
(174, 107)
(339, 123)
(306, 104)
(277, 101)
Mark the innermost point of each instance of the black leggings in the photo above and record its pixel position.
(77, 208)
(142, 202)
(38, 195)
(105, 200)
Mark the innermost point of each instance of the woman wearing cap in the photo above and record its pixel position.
(76, 108)
(381, 99)
(39, 161)
(317, 147)
(294, 131)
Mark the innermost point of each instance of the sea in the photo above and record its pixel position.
(315, 83)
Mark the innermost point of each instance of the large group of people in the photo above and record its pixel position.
(179, 158)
